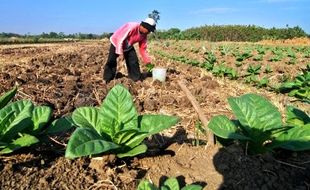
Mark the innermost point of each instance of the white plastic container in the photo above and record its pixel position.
(159, 74)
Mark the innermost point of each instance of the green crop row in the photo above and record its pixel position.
(299, 85)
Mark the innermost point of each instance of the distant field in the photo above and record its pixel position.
(14, 40)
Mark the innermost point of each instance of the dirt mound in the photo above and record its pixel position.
(40, 171)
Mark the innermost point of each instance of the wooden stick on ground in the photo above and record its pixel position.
(197, 108)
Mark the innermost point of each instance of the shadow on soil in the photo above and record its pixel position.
(241, 171)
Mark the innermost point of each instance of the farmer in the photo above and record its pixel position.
(122, 42)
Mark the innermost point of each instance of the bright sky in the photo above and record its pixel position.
(98, 16)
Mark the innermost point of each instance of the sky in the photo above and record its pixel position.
(99, 16)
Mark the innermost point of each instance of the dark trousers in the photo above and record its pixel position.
(132, 64)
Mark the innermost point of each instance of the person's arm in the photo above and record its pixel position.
(142, 47)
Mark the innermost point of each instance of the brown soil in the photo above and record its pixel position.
(67, 76)
(294, 41)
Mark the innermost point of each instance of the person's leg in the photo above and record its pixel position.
(132, 63)
(110, 67)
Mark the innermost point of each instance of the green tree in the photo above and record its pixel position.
(154, 15)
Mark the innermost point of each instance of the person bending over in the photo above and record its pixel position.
(121, 48)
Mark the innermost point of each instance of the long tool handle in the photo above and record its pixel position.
(197, 108)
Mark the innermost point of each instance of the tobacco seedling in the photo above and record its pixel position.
(210, 60)
(268, 69)
(170, 184)
(115, 126)
(263, 82)
(299, 87)
(243, 56)
(258, 58)
(149, 67)
(254, 69)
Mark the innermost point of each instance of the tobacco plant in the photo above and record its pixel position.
(115, 126)
(258, 125)
(243, 56)
(297, 137)
(210, 60)
(20, 122)
(299, 87)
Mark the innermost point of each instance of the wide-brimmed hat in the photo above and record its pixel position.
(149, 24)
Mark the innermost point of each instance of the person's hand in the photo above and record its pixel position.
(149, 67)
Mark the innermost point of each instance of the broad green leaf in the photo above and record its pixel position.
(222, 127)
(5, 119)
(40, 117)
(123, 136)
(295, 139)
(296, 117)
(6, 98)
(88, 117)
(146, 185)
(172, 183)
(136, 140)
(20, 120)
(133, 152)
(255, 113)
(156, 123)
(60, 125)
(86, 141)
(118, 108)
(192, 187)
(287, 86)
(23, 141)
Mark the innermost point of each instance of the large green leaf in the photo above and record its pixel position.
(155, 123)
(295, 139)
(192, 187)
(255, 113)
(296, 117)
(133, 152)
(20, 120)
(118, 109)
(146, 185)
(5, 119)
(6, 98)
(222, 127)
(40, 117)
(123, 136)
(136, 140)
(23, 141)
(60, 125)
(172, 184)
(86, 141)
(88, 117)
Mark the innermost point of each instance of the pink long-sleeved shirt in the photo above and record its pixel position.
(128, 35)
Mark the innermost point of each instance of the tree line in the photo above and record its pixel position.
(239, 33)
(215, 33)
(55, 35)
